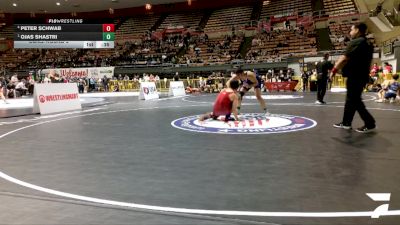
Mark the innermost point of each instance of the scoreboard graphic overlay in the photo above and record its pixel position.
(64, 33)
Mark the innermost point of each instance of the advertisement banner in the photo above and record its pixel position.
(54, 98)
(176, 88)
(278, 86)
(88, 72)
(148, 91)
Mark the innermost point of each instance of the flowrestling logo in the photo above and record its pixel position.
(251, 123)
(53, 98)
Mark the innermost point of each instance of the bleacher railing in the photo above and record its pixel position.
(213, 85)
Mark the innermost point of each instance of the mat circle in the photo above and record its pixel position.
(250, 123)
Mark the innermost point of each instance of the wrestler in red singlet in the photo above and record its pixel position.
(223, 104)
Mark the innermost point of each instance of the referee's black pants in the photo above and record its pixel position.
(354, 103)
(321, 88)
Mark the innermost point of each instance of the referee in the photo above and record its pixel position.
(323, 68)
(355, 65)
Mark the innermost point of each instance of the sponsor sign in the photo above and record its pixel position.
(387, 49)
(148, 91)
(277, 86)
(176, 88)
(95, 72)
(251, 123)
(54, 98)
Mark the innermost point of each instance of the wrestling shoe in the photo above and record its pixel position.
(318, 103)
(365, 129)
(342, 126)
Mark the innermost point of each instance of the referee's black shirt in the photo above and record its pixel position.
(359, 53)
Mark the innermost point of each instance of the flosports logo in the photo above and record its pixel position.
(251, 123)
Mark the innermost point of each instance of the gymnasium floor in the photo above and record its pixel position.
(126, 161)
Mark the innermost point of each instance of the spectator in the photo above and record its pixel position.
(116, 88)
(304, 77)
(387, 68)
(374, 71)
(287, 24)
(92, 84)
(3, 89)
(46, 79)
(105, 83)
(31, 85)
(14, 79)
(81, 86)
(20, 88)
(176, 77)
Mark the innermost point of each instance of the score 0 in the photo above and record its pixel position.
(108, 28)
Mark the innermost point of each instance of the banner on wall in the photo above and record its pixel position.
(305, 21)
(95, 72)
(281, 86)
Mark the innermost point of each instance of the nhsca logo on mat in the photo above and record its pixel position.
(251, 123)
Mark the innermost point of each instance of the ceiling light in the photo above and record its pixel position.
(57, 3)
(15, 4)
(148, 6)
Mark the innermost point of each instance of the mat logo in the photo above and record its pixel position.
(251, 123)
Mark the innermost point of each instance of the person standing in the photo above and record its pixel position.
(323, 68)
(249, 80)
(355, 65)
(3, 89)
(105, 83)
(81, 86)
(304, 77)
